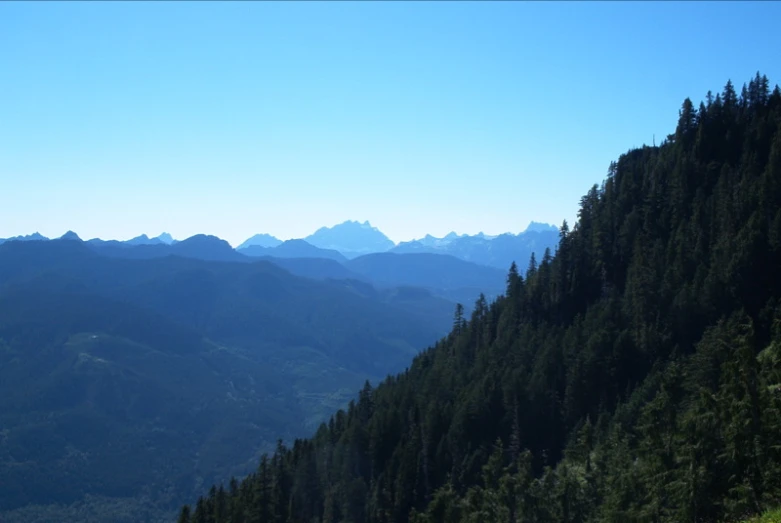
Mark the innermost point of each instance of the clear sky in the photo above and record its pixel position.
(118, 118)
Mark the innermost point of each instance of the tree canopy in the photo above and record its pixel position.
(632, 375)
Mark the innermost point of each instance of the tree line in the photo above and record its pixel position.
(634, 374)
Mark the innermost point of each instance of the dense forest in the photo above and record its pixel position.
(632, 375)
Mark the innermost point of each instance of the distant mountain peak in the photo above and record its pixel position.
(351, 224)
(496, 251)
(260, 240)
(36, 236)
(165, 238)
(143, 240)
(204, 239)
(351, 238)
(70, 235)
(431, 241)
(540, 227)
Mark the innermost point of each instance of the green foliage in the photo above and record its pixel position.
(773, 516)
(633, 376)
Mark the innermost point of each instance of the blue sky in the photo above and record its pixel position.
(118, 118)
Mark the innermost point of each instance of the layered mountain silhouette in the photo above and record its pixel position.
(30, 237)
(446, 275)
(293, 249)
(452, 269)
(200, 246)
(260, 240)
(495, 251)
(342, 242)
(143, 239)
(124, 369)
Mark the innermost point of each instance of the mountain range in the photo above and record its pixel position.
(352, 239)
(634, 375)
(456, 268)
(159, 341)
(143, 239)
(195, 353)
(495, 251)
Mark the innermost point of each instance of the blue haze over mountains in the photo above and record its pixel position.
(201, 355)
(342, 242)
(177, 370)
(456, 268)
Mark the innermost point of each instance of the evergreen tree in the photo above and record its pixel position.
(632, 376)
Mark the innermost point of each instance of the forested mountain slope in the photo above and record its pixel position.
(254, 305)
(128, 384)
(633, 376)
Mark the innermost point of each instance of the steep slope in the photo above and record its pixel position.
(632, 377)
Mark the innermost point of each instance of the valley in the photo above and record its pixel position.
(390, 262)
(134, 374)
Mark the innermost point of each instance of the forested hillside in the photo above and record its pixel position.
(126, 385)
(634, 375)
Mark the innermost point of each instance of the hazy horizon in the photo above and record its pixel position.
(234, 119)
(239, 242)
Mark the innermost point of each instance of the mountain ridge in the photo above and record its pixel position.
(351, 239)
(260, 240)
(632, 375)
